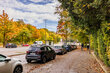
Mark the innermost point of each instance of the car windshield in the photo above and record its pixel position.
(64, 46)
(2, 58)
(33, 48)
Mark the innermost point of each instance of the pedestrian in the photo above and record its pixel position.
(87, 46)
(82, 45)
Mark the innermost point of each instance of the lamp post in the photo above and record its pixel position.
(45, 31)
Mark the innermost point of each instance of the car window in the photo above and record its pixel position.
(43, 48)
(58, 47)
(34, 48)
(49, 49)
(2, 58)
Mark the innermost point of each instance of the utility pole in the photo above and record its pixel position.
(45, 31)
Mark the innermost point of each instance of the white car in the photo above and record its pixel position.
(10, 65)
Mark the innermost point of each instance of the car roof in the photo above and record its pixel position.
(35, 45)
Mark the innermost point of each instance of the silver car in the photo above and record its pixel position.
(10, 65)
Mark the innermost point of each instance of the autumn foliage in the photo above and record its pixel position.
(20, 33)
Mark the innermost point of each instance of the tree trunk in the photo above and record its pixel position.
(4, 39)
(89, 45)
(22, 39)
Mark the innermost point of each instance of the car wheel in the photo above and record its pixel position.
(53, 57)
(29, 61)
(63, 53)
(18, 69)
(44, 59)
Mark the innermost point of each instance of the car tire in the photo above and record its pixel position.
(29, 61)
(62, 53)
(53, 57)
(18, 69)
(44, 59)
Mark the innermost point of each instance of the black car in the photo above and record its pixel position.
(40, 53)
(73, 47)
(67, 47)
(60, 50)
(11, 45)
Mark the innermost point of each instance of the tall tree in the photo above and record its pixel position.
(5, 26)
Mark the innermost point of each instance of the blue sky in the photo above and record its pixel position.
(33, 12)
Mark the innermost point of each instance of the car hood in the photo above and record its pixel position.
(14, 59)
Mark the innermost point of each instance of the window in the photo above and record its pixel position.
(2, 58)
(43, 48)
(34, 48)
(49, 49)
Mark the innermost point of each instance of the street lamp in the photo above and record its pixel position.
(45, 31)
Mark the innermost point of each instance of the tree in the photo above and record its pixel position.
(92, 16)
(87, 14)
(5, 26)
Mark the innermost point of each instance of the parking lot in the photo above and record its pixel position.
(75, 61)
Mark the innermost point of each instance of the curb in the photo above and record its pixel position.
(16, 54)
(103, 66)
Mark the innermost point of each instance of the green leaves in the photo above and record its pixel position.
(89, 13)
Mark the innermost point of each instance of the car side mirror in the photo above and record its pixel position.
(7, 60)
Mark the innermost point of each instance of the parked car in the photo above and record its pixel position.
(60, 50)
(73, 47)
(10, 65)
(11, 45)
(40, 53)
(25, 45)
(67, 47)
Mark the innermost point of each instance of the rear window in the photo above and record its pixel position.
(34, 48)
(58, 47)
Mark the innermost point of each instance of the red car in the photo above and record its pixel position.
(25, 44)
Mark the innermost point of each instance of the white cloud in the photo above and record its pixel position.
(52, 27)
(36, 0)
(43, 0)
(32, 13)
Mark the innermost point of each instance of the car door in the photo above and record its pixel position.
(50, 52)
(5, 67)
(44, 50)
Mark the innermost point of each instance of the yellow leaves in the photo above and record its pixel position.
(17, 29)
(88, 6)
(109, 26)
(84, 5)
(80, 10)
(65, 13)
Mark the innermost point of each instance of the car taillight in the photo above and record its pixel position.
(27, 52)
(38, 52)
(60, 49)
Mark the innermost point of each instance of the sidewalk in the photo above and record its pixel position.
(13, 51)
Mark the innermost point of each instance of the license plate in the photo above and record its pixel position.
(32, 53)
